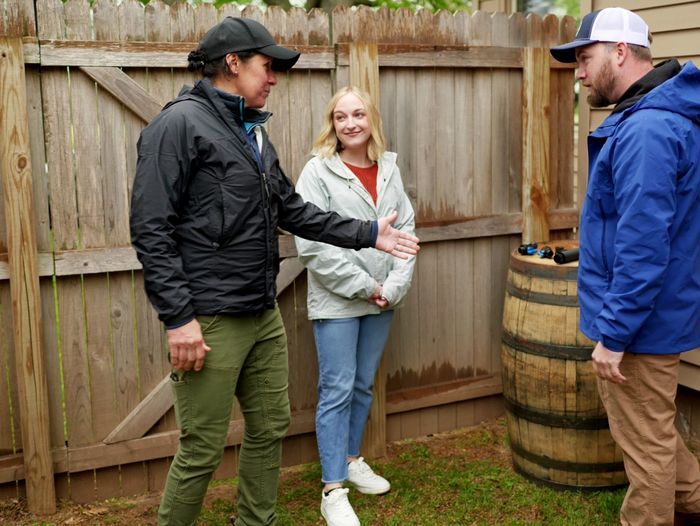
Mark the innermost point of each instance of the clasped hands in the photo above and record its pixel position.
(377, 298)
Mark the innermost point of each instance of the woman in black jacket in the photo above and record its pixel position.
(208, 197)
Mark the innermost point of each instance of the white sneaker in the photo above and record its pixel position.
(336, 508)
(366, 480)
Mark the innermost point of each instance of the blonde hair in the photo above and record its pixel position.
(327, 143)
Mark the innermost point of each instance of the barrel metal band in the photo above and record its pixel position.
(541, 297)
(563, 352)
(565, 465)
(553, 420)
(566, 487)
(533, 269)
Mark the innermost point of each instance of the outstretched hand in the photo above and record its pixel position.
(393, 241)
(606, 364)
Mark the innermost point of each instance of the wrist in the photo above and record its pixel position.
(374, 233)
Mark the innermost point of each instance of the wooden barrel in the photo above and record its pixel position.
(557, 425)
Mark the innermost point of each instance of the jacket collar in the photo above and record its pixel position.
(232, 105)
(246, 117)
(385, 163)
(657, 76)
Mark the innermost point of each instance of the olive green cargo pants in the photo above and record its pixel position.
(248, 360)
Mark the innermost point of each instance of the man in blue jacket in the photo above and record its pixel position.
(639, 268)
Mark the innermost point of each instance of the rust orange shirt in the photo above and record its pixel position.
(368, 178)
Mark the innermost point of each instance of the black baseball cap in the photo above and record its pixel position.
(244, 34)
(612, 24)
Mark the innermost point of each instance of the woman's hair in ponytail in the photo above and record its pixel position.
(195, 60)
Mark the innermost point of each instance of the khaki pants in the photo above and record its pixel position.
(663, 475)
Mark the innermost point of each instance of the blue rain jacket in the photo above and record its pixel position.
(639, 267)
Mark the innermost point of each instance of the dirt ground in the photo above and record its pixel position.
(141, 510)
(133, 511)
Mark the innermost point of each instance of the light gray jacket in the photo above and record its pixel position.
(341, 281)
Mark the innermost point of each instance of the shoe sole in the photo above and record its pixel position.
(326, 518)
(372, 491)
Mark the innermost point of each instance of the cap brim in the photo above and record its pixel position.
(567, 52)
(283, 58)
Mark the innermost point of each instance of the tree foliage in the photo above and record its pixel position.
(558, 7)
(434, 5)
(569, 7)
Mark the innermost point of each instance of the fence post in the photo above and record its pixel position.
(364, 73)
(535, 204)
(16, 170)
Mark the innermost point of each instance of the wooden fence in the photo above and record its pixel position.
(482, 121)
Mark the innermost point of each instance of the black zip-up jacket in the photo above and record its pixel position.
(204, 214)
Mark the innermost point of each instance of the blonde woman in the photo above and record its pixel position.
(352, 293)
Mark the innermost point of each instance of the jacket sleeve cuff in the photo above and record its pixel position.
(389, 294)
(179, 323)
(374, 232)
(612, 344)
(370, 288)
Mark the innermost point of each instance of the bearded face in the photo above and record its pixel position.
(601, 87)
(595, 71)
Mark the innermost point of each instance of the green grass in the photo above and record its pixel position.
(461, 478)
(458, 479)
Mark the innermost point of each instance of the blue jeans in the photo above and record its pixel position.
(349, 351)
